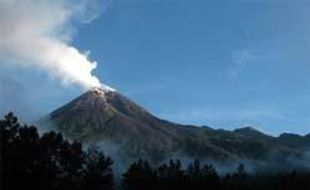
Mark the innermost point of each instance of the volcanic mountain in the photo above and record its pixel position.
(105, 116)
(109, 119)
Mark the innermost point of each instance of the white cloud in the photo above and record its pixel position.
(241, 58)
(38, 34)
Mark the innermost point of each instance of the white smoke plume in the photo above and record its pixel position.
(37, 33)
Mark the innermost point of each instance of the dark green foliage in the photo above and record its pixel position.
(171, 175)
(141, 175)
(98, 172)
(202, 177)
(49, 162)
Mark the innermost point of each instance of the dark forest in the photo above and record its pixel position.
(50, 162)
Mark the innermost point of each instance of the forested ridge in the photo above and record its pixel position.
(51, 162)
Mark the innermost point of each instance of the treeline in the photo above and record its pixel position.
(141, 175)
(50, 162)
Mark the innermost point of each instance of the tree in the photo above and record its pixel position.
(171, 176)
(48, 162)
(240, 180)
(139, 176)
(99, 174)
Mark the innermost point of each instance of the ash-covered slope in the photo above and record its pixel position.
(106, 117)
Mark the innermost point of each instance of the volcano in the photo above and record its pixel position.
(109, 119)
(100, 116)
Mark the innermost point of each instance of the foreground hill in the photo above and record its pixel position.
(111, 120)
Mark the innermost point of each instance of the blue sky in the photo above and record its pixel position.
(225, 64)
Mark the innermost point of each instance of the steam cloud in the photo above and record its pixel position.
(37, 34)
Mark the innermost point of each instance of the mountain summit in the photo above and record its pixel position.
(107, 116)
(109, 119)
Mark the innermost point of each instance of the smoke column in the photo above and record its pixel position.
(37, 33)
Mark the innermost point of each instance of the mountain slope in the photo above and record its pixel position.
(110, 119)
(100, 115)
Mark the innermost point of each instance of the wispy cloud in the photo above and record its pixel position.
(240, 59)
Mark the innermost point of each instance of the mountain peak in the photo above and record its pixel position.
(247, 129)
(250, 132)
(99, 115)
(98, 91)
(100, 95)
